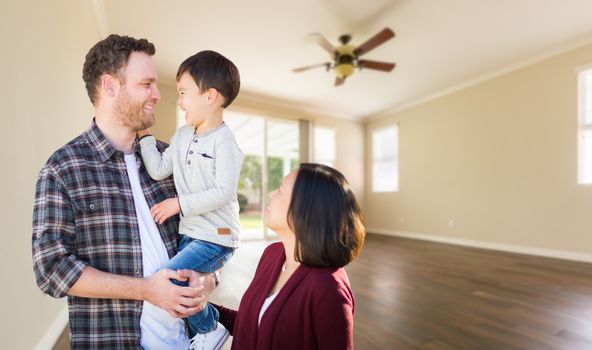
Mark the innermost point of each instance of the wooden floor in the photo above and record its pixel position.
(414, 294)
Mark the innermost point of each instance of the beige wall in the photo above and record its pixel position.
(166, 113)
(498, 158)
(44, 105)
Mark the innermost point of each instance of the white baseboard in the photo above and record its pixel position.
(52, 335)
(511, 248)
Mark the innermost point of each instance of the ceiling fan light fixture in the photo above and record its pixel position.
(344, 70)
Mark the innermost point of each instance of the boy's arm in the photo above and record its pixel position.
(229, 159)
(159, 165)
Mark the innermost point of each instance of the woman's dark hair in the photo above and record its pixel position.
(210, 69)
(108, 56)
(325, 217)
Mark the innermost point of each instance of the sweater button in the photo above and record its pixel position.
(190, 152)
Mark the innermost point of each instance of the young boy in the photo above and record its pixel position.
(205, 161)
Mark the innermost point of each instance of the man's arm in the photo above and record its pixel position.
(156, 289)
(59, 272)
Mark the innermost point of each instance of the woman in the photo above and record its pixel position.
(300, 297)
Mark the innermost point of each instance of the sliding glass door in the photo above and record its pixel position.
(271, 150)
(282, 154)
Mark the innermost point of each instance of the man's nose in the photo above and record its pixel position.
(156, 92)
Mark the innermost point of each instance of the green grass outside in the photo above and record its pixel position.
(250, 221)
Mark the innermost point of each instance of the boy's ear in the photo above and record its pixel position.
(214, 96)
(109, 85)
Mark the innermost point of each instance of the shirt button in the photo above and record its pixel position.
(190, 152)
(189, 162)
(137, 271)
(195, 140)
(91, 207)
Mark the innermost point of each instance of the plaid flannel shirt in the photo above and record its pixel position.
(84, 215)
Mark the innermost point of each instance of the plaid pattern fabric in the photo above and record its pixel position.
(84, 215)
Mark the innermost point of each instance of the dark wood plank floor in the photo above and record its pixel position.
(414, 294)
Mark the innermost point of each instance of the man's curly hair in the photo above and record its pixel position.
(109, 56)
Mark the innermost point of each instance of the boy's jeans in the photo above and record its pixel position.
(202, 257)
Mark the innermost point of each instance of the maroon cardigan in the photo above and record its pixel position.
(313, 310)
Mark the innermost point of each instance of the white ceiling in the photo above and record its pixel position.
(439, 43)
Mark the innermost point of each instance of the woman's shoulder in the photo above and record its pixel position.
(271, 258)
(273, 249)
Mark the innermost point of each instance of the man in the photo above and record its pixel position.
(94, 239)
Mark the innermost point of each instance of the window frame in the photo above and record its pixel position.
(584, 171)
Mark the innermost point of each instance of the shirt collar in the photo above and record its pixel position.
(102, 146)
(209, 132)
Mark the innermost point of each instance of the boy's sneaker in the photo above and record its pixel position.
(210, 341)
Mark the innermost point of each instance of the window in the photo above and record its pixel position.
(585, 126)
(324, 145)
(385, 159)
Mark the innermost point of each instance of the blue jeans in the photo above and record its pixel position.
(202, 257)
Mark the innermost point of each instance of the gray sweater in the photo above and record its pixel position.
(205, 168)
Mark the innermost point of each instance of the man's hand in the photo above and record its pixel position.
(144, 132)
(178, 301)
(204, 284)
(165, 209)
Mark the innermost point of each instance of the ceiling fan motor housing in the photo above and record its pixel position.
(344, 61)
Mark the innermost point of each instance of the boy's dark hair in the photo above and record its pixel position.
(325, 218)
(210, 69)
(108, 56)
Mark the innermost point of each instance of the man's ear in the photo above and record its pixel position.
(109, 85)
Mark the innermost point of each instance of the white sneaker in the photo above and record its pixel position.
(210, 341)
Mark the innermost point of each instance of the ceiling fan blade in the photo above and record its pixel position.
(325, 44)
(373, 42)
(302, 69)
(382, 66)
(339, 81)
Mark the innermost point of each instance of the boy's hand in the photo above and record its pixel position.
(165, 210)
(144, 132)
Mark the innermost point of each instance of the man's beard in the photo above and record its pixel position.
(131, 113)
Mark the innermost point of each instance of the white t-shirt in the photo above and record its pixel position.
(159, 330)
(265, 305)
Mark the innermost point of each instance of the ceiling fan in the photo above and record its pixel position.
(346, 57)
